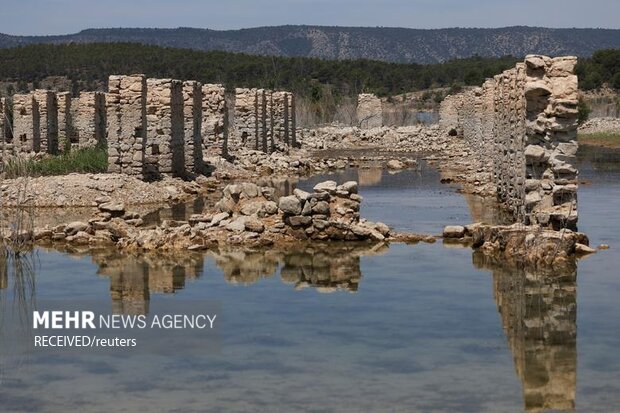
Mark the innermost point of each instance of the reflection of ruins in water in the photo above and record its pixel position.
(325, 267)
(369, 176)
(328, 268)
(538, 310)
(134, 277)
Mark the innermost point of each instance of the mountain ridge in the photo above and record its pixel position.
(390, 44)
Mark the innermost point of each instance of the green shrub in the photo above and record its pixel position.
(85, 160)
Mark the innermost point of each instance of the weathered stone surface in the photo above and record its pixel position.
(454, 231)
(369, 111)
(290, 205)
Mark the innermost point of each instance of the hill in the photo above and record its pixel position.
(341, 43)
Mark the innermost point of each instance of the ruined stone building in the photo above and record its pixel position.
(369, 111)
(90, 124)
(522, 126)
(151, 127)
(264, 120)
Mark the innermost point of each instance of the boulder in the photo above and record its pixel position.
(327, 186)
(290, 205)
(75, 227)
(454, 231)
(395, 164)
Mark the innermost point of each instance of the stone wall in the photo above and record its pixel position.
(165, 128)
(90, 123)
(192, 121)
(522, 127)
(264, 120)
(65, 120)
(214, 119)
(246, 119)
(154, 127)
(48, 120)
(126, 117)
(5, 134)
(369, 111)
(26, 121)
(538, 312)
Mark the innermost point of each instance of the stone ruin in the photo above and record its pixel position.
(126, 113)
(369, 111)
(151, 127)
(522, 127)
(48, 120)
(538, 310)
(89, 127)
(26, 121)
(65, 120)
(165, 154)
(264, 120)
(214, 120)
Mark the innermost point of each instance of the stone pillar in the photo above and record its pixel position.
(126, 119)
(525, 121)
(262, 114)
(246, 120)
(550, 112)
(90, 125)
(165, 128)
(214, 120)
(279, 120)
(292, 120)
(65, 121)
(369, 111)
(192, 114)
(26, 124)
(48, 120)
(5, 137)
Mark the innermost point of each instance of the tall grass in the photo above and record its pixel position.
(606, 139)
(84, 160)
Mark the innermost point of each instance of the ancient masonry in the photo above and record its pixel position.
(151, 127)
(522, 126)
(192, 120)
(90, 122)
(126, 113)
(369, 111)
(48, 120)
(214, 119)
(5, 132)
(26, 131)
(165, 128)
(264, 120)
(65, 120)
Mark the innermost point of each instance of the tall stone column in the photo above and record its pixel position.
(90, 125)
(246, 119)
(369, 111)
(165, 128)
(48, 120)
(65, 121)
(214, 120)
(26, 124)
(192, 113)
(126, 119)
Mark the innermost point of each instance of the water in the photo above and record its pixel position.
(409, 328)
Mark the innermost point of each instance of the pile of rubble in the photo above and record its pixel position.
(246, 215)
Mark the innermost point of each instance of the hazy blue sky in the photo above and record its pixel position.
(68, 16)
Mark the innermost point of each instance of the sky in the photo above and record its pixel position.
(45, 17)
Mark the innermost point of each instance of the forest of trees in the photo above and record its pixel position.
(93, 63)
(602, 68)
(321, 84)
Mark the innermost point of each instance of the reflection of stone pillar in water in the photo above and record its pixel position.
(129, 287)
(538, 314)
(4, 272)
(369, 176)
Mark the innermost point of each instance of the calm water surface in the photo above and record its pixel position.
(409, 328)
